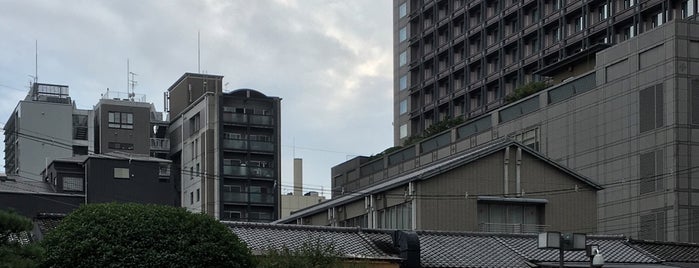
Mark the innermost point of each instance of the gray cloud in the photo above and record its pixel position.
(330, 61)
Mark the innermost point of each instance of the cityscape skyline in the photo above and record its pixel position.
(346, 59)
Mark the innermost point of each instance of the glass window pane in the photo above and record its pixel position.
(402, 10)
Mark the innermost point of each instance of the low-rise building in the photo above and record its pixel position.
(112, 177)
(501, 186)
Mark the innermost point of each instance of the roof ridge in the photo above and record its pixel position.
(643, 251)
(371, 243)
(289, 226)
(500, 240)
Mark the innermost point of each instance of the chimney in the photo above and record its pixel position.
(298, 176)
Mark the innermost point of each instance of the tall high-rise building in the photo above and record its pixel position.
(45, 126)
(225, 149)
(458, 58)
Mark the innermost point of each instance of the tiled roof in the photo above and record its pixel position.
(614, 248)
(669, 251)
(447, 249)
(350, 242)
(441, 249)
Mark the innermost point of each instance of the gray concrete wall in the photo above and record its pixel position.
(46, 134)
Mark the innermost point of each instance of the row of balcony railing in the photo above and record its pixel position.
(248, 145)
(254, 119)
(243, 171)
(262, 198)
(512, 228)
(160, 144)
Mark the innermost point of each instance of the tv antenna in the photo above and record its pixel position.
(130, 81)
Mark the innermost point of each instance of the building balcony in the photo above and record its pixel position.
(511, 228)
(262, 198)
(261, 120)
(261, 146)
(244, 171)
(235, 144)
(239, 171)
(158, 144)
(261, 172)
(235, 118)
(235, 197)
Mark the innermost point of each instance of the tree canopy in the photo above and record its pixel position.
(134, 235)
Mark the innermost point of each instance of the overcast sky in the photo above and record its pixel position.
(329, 61)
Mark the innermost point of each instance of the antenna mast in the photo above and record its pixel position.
(130, 81)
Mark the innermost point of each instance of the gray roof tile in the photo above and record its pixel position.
(669, 251)
(350, 242)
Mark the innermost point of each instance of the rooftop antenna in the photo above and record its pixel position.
(198, 52)
(130, 82)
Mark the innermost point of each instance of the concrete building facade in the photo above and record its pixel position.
(630, 125)
(45, 126)
(227, 146)
(458, 58)
(127, 123)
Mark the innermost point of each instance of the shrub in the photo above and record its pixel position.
(134, 235)
(524, 91)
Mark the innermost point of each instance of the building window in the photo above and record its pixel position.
(197, 170)
(578, 24)
(403, 58)
(403, 82)
(164, 170)
(656, 19)
(403, 10)
(403, 131)
(191, 173)
(403, 107)
(120, 120)
(652, 226)
(629, 3)
(651, 112)
(121, 173)
(510, 217)
(194, 124)
(120, 146)
(191, 198)
(603, 11)
(403, 34)
(651, 170)
(72, 184)
(688, 8)
(198, 196)
(396, 217)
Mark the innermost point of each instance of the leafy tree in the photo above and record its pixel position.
(12, 252)
(310, 254)
(134, 235)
